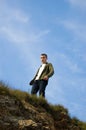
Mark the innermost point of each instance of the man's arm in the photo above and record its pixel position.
(51, 70)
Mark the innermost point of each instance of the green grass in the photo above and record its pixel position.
(58, 112)
(54, 110)
(4, 89)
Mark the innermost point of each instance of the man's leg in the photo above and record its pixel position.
(35, 87)
(42, 87)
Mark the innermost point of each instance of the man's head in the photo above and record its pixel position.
(43, 58)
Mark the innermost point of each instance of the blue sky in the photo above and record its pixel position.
(58, 28)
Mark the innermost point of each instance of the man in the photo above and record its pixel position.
(42, 76)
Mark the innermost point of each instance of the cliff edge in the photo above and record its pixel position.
(21, 111)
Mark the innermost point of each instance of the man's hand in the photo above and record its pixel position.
(46, 77)
(31, 82)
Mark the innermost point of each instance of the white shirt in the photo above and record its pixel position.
(40, 71)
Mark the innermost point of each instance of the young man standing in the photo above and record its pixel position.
(42, 76)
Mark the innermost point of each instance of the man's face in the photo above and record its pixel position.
(43, 59)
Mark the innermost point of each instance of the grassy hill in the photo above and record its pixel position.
(21, 111)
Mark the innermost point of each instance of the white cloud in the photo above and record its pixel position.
(78, 29)
(77, 109)
(20, 36)
(55, 93)
(19, 16)
(9, 14)
(68, 63)
(16, 27)
(79, 3)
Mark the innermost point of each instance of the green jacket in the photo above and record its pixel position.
(48, 71)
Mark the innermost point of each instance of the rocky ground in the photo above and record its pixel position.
(18, 114)
(15, 115)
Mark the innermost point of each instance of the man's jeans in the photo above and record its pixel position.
(39, 85)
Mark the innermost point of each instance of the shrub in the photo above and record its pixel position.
(4, 89)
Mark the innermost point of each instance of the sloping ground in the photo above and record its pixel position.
(20, 111)
(23, 116)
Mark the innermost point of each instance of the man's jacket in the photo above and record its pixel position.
(48, 71)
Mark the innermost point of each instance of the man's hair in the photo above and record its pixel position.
(43, 54)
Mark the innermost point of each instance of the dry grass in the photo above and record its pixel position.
(56, 111)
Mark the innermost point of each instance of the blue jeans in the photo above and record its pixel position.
(39, 85)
